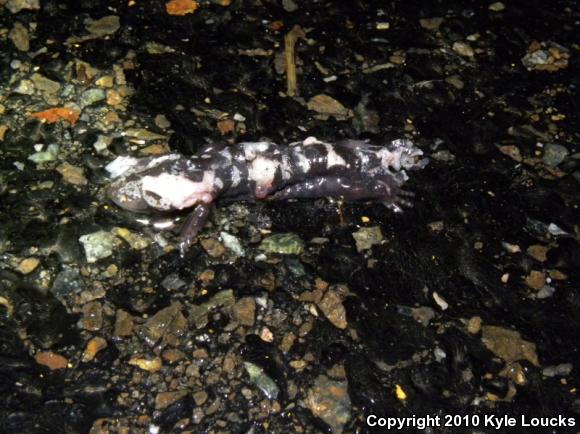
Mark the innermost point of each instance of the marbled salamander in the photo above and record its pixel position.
(349, 169)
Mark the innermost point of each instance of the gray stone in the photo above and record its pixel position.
(43, 156)
(554, 154)
(283, 244)
(365, 238)
(463, 49)
(497, 7)
(45, 84)
(92, 96)
(232, 244)
(431, 23)
(559, 370)
(262, 381)
(199, 313)
(173, 282)
(68, 281)
(16, 6)
(25, 87)
(103, 26)
(289, 5)
(102, 143)
(329, 401)
(97, 245)
(19, 37)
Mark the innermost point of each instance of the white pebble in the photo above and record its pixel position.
(497, 7)
(440, 301)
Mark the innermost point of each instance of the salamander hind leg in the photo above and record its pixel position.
(192, 225)
(385, 189)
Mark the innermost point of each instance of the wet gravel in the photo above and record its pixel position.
(300, 316)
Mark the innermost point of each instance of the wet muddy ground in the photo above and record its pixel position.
(300, 316)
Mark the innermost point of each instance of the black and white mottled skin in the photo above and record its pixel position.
(351, 170)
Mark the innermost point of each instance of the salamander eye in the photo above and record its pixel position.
(156, 201)
(128, 195)
(413, 159)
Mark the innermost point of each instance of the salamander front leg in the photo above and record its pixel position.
(395, 198)
(192, 225)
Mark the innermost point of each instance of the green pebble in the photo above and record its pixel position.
(283, 244)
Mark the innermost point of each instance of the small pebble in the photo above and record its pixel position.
(162, 122)
(72, 174)
(536, 280)
(113, 97)
(92, 96)
(554, 154)
(431, 23)
(538, 252)
(16, 6)
(150, 365)
(92, 318)
(52, 361)
(106, 25)
(561, 370)
(102, 143)
(463, 49)
(257, 375)
(19, 37)
(455, 81)
(440, 301)
(367, 237)
(327, 106)
(226, 126)
(329, 400)
(511, 248)
(97, 245)
(25, 87)
(200, 397)
(497, 7)
(437, 226)
(474, 325)
(232, 243)
(289, 5)
(266, 335)
(95, 345)
(333, 309)
(123, 324)
(165, 399)
(50, 154)
(136, 241)
(45, 84)
(213, 248)
(28, 265)
(105, 81)
(283, 244)
(244, 311)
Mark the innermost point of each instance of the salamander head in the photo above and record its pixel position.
(153, 184)
(403, 154)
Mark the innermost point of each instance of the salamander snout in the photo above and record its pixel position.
(414, 161)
